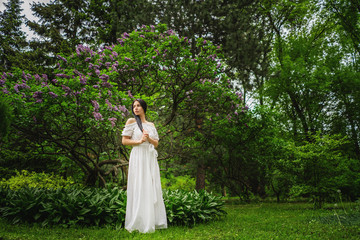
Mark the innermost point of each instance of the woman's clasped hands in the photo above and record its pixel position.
(145, 136)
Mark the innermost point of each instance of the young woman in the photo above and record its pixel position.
(145, 209)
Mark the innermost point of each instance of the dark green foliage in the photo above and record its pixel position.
(93, 206)
(190, 208)
(5, 118)
(90, 206)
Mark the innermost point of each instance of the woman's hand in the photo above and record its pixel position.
(144, 137)
(146, 134)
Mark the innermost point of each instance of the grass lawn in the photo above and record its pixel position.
(252, 221)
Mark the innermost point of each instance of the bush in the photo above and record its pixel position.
(65, 207)
(189, 208)
(36, 180)
(185, 182)
(93, 206)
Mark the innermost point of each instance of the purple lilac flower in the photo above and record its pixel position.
(112, 120)
(97, 71)
(170, 32)
(109, 93)
(122, 108)
(5, 91)
(96, 105)
(129, 94)
(146, 65)
(53, 95)
(62, 58)
(16, 87)
(37, 95)
(45, 77)
(67, 90)
(120, 41)
(62, 75)
(204, 42)
(109, 104)
(2, 82)
(106, 84)
(142, 36)
(87, 59)
(24, 86)
(127, 59)
(95, 86)
(83, 80)
(152, 28)
(238, 94)
(126, 35)
(97, 116)
(104, 77)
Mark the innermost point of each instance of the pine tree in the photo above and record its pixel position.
(61, 26)
(12, 38)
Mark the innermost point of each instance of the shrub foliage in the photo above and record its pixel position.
(36, 180)
(98, 207)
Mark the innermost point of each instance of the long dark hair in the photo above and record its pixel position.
(137, 118)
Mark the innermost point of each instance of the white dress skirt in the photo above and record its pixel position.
(145, 209)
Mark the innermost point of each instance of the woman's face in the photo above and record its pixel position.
(138, 110)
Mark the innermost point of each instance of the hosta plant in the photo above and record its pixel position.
(99, 207)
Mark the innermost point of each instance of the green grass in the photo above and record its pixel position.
(252, 221)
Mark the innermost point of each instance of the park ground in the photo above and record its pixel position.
(243, 221)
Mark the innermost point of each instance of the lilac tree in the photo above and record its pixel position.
(81, 111)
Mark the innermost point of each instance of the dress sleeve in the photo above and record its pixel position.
(155, 134)
(128, 130)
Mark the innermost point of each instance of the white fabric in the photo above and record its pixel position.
(145, 209)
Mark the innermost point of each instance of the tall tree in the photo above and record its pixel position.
(346, 86)
(12, 38)
(61, 26)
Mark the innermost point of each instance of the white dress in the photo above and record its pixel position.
(145, 209)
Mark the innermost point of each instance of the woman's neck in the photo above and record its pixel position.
(143, 119)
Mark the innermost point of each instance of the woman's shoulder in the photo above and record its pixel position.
(130, 121)
(150, 123)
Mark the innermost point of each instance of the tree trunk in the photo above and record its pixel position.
(200, 177)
